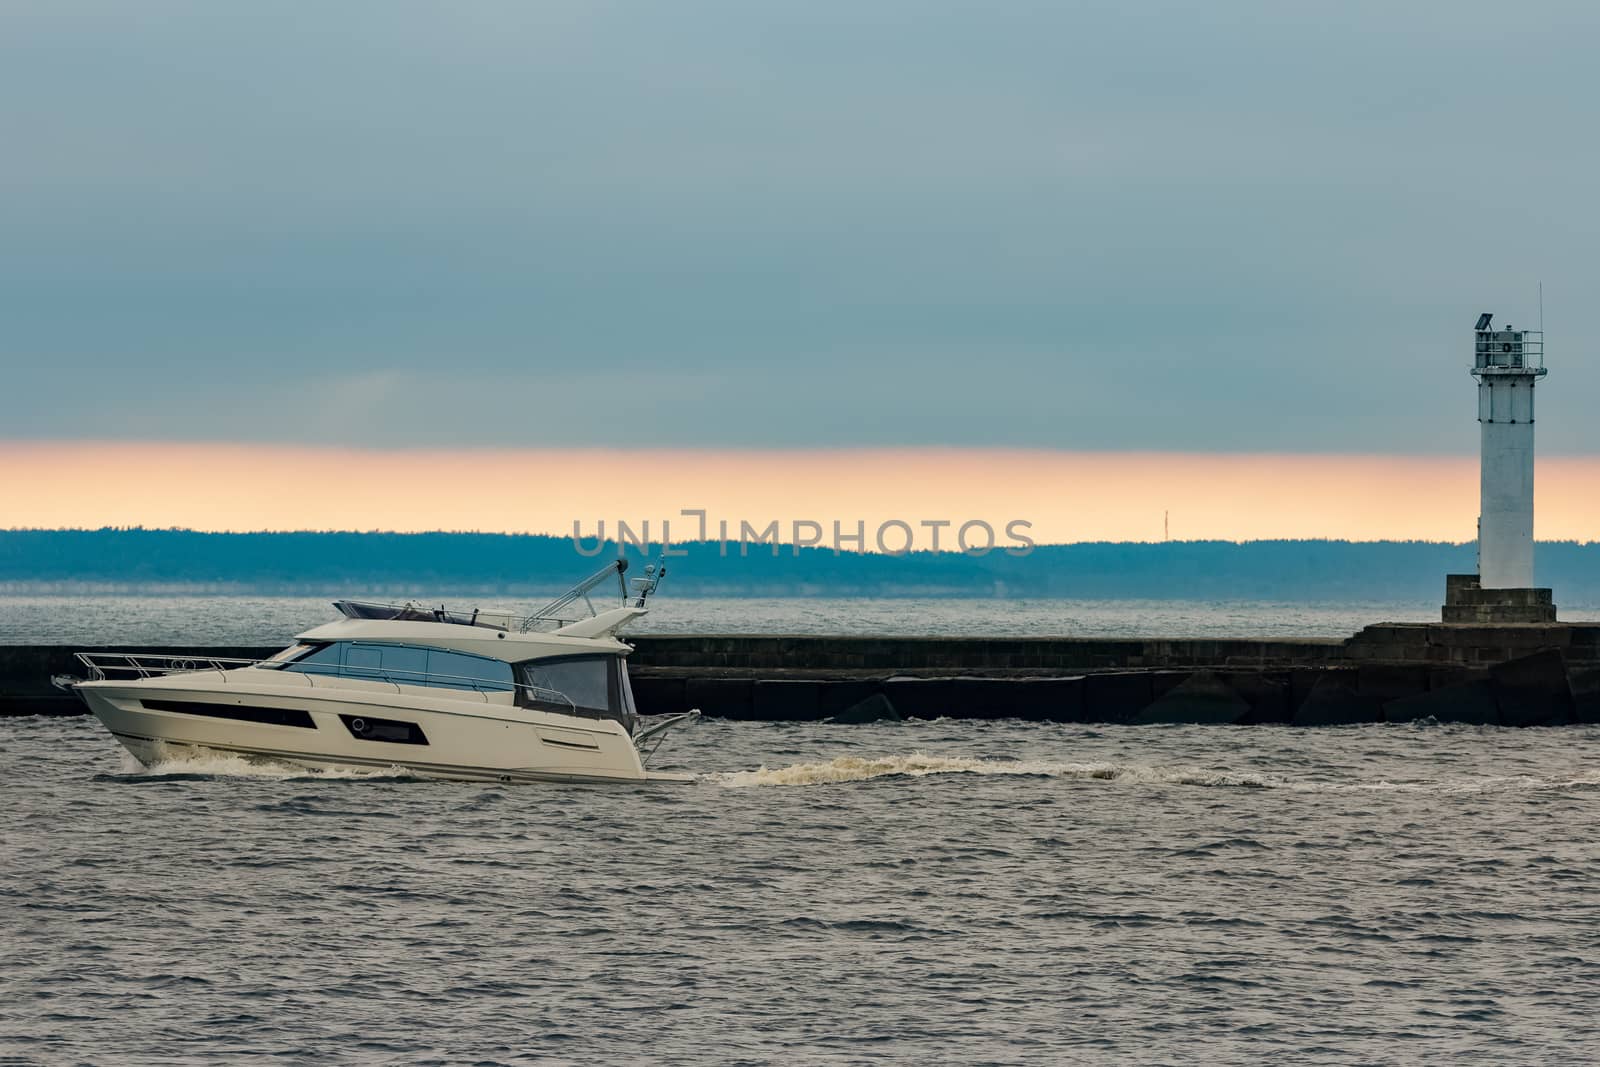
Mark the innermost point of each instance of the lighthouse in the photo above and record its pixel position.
(1507, 363)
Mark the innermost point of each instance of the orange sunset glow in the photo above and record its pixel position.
(1067, 496)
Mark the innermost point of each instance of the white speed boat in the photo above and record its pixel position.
(436, 693)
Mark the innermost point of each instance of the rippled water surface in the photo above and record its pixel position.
(914, 892)
(223, 620)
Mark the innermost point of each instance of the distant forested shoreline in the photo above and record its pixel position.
(136, 559)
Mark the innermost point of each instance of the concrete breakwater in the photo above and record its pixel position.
(1518, 675)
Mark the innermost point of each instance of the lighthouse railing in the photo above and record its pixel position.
(1509, 349)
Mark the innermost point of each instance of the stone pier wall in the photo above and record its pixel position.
(1507, 675)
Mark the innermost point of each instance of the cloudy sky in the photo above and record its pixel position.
(1251, 227)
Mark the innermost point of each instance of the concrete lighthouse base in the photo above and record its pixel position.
(1465, 601)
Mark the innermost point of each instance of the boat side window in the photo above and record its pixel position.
(407, 665)
(403, 664)
(590, 682)
(462, 670)
(322, 659)
(293, 652)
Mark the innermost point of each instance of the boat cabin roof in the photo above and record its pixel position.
(494, 642)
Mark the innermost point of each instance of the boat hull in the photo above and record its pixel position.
(285, 719)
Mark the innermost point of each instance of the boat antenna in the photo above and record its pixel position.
(653, 573)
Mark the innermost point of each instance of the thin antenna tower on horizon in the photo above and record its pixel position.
(1166, 525)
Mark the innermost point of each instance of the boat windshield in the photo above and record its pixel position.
(411, 612)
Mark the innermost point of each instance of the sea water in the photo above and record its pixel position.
(942, 891)
(249, 620)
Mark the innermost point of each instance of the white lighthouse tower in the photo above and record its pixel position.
(1508, 363)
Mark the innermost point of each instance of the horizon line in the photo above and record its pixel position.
(1051, 496)
(753, 546)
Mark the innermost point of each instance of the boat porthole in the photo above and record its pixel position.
(358, 726)
(506, 778)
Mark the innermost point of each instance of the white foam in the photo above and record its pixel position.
(188, 761)
(1495, 783)
(919, 765)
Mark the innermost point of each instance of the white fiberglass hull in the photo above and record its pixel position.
(314, 722)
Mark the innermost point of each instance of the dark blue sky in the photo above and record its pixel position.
(1229, 226)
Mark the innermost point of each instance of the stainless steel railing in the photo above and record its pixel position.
(154, 664)
(411, 611)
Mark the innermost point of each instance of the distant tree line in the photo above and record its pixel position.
(351, 562)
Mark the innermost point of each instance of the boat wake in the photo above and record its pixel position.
(195, 764)
(919, 765)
